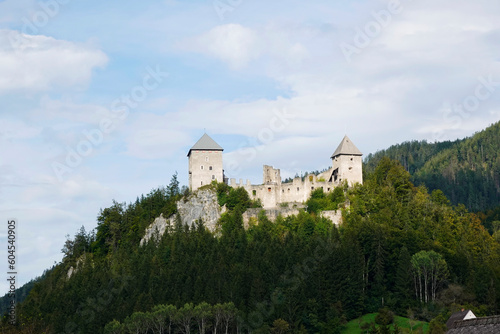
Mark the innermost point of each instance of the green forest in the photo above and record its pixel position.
(402, 250)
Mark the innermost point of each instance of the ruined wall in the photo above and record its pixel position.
(273, 193)
(300, 191)
(271, 175)
(291, 209)
(334, 215)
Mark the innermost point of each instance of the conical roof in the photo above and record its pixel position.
(346, 147)
(205, 143)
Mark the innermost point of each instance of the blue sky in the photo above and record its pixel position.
(273, 82)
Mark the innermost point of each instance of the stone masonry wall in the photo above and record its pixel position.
(292, 209)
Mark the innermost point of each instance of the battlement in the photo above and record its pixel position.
(232, 183)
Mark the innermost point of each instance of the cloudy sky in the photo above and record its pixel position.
(101, 100)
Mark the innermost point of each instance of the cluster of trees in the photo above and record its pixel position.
(429, 271)
(219, 318)
(233, 198)
(399, 247)
(467, 170)
(122, 225)
(319, 201)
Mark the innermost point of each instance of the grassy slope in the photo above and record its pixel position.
(403, 323)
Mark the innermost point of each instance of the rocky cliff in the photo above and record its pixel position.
(202, 204)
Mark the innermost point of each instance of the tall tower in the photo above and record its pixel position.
(205, 163)
(347, 163)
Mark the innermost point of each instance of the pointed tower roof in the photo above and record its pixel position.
(205, 143)
(346, 147)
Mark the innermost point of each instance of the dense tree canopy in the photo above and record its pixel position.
(467, 170)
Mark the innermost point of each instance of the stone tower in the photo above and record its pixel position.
(347, 163)
(205, 163)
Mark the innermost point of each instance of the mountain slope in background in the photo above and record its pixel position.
(466, 170)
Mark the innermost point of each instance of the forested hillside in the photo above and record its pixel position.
(467, 171)
(400, 247)
(21, 293)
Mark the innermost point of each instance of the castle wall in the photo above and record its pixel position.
(274, 193)
(205, 167)
(334, 215)
(271, 214)
(267, 193)
(300, 191)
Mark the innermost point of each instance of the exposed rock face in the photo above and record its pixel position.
(159, 226)
(73, 270)
(202, 204)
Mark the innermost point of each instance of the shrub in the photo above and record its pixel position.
(384, 317)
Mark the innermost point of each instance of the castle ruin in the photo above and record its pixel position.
(205, 166)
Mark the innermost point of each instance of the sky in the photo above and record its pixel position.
(101, 100)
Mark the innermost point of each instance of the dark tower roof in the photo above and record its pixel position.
(205, 143)
(346, 147)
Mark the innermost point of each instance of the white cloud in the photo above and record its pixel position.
(41, 63)
(231, 43)
(238, 46)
